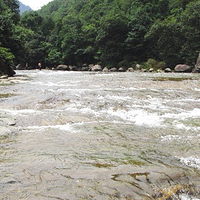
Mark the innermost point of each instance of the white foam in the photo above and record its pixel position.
(170, 138)
(121, 98)
(181, 126)
(65, 127)
(50, 84)
(196, 89)
(139, 117)
(22, 112)
(191, 161)
(195, 113)
(186, 197)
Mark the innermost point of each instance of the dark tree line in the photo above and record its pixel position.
(113, 33)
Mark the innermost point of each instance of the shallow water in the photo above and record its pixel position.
(84, 135)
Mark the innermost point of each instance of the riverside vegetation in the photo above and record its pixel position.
(113, 33)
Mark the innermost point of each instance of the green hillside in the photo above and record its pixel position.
(113, 33)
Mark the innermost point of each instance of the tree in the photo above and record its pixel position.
(139, 23)
(6, 59)
(9, 15)
(111, 39)
(166, 40)
(190, 19)
(111, 32)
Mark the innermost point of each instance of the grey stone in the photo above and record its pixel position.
(96, 68)
(167, 70)
(182, 68)
(62, 67)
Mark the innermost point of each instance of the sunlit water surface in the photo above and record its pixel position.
(83, 135)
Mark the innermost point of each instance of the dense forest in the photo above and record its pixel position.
(112, 33)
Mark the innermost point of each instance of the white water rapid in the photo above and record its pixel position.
(84, 135)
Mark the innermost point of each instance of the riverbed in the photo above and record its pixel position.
(85, 135)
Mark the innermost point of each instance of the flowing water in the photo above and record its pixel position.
(84, 135)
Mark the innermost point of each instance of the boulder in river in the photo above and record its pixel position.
(62, 67)
(197, 66)
(183, 68)
(85, 67)
(130, 69)
(113, 69)
(137, 66)
(105, 69)
(121, 69)
(167, 70)
(75, 68)
(151, 70)
(96, 68)
(143, 70)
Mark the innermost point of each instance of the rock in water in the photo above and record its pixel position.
(130, 69)
(105, 69)
(167, 70)
(121, 69)
(113, 69)
(96, 68)
(182, 68)
(62, 67)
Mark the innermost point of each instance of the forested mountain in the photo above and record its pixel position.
(113, 33)
(23, 8)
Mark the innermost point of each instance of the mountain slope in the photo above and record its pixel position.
(115, 33)
(23, 8)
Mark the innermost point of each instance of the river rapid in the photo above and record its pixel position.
(85, 135)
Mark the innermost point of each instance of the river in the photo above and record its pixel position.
(85, 135)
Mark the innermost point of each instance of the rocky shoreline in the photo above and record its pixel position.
(179, 68)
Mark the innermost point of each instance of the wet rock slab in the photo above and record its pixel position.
(7, 124)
